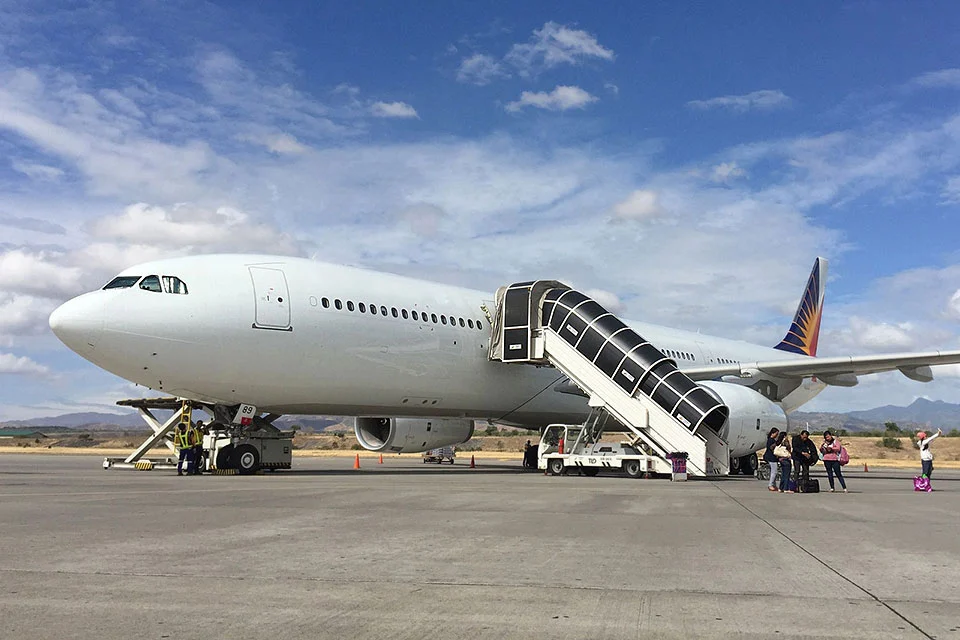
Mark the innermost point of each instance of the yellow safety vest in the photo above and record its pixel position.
(193, 437)
(183, 439)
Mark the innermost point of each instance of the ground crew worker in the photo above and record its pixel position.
(197, 438)
(181, 439)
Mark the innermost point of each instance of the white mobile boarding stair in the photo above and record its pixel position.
(548, 323)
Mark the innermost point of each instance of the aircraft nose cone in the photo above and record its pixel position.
(79, 322)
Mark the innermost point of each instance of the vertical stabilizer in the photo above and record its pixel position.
(805, 330)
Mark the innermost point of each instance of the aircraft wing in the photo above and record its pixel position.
(840, 371)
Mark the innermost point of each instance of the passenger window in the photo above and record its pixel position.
(349, 305)
(362, 307)
(383, 310)
(373, 309)
(460, 320)
(173, 284)
(433, 317)
(415, 315)
(325, 302)
(338, 304)
(403, 312)
(470, 322)
(122, 282)
(443, 318)
(479, 325)
(151, 283)
(393, 311)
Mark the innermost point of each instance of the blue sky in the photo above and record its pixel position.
(685, 161)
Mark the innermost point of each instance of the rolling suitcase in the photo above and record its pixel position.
(812, 486)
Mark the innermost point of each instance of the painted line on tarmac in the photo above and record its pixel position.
(826, 565)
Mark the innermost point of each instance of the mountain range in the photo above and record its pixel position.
(93, 421)
(922, 412)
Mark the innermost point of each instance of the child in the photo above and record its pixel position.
(926, 456)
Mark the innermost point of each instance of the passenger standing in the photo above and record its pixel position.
(831, 459)
(804, 455)
(197, 439)
(181, 438)
(926, 456)
(784, 454)
(770, 458)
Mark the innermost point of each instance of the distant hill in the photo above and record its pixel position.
(93, 421)
(925, 413)
(86, 420)
(921, 413)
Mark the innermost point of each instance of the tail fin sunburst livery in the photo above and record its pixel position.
(805, 330)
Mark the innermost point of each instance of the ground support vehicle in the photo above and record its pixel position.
(439, 455)
(581, 454)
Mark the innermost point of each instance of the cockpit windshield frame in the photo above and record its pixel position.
(122, 282)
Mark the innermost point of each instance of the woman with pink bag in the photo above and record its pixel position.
(830, 449)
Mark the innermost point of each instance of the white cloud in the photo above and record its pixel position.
(108, 147)
(612, 88)
(951, 190)
(276, 142)
(553, 45)
(880, 336)
(36, 171)
(480, 69)
(35, 273)
(726, 171)
(762, 100)
(24, 315)
(31, 224)
(393, 110)
(561, 98)
(608, 300)
(187, 227)
(642, 204)
(943, 78)
(22, 365)
(953, 305)
(550, 46)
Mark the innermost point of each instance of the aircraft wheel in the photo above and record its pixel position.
(556, 466)
(632, 468)
(247, 459)
(590, 471)
(736, 466)
(224, 457)
(748, 465)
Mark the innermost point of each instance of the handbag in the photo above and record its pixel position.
(781, 451)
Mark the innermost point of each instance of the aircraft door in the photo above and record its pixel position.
(272, 298)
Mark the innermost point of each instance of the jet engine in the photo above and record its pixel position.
(411, 435)
(751, 417)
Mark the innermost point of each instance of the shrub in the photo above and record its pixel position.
(356, 446)
(889, 442)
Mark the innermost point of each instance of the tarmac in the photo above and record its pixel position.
(407, 550)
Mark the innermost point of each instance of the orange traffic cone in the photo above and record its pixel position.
(356, 462)
(381, 458)
(473, 463)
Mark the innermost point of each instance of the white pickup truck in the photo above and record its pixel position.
(439, 455)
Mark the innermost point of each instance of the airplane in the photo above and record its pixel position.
(409, 357)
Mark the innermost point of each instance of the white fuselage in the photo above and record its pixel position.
(207, 345)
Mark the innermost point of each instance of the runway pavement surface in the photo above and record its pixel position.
(406, 550)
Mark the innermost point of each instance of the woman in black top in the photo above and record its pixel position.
(771, 459)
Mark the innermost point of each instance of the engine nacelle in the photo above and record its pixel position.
(411, 435)
(751, 417)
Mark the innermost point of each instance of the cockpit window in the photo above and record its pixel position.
(122, 282)
(151, 283)
(173, 284)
